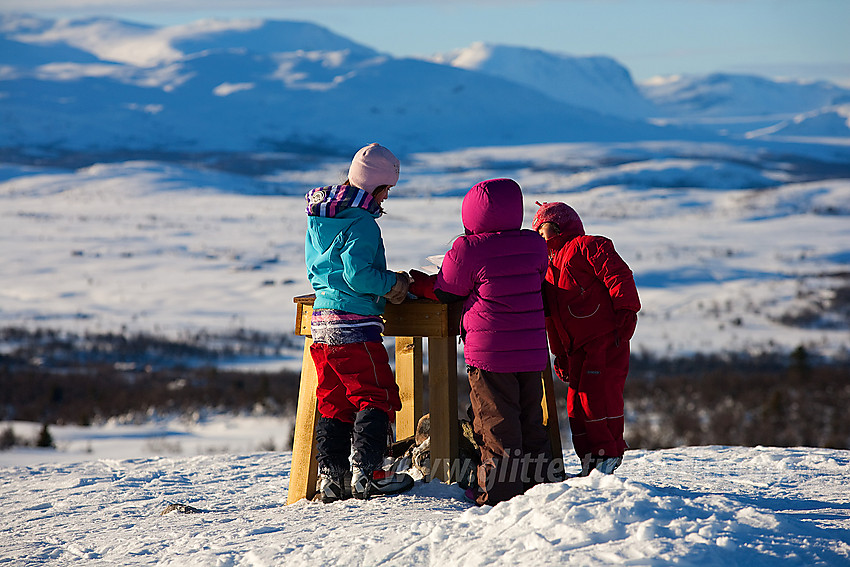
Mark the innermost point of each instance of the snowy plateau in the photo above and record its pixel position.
(152, 181)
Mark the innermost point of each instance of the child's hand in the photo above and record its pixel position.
(398, 292)
(626, 323)
(422, 285)
(561, 369)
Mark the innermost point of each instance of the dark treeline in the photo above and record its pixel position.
(51, 349)
(58, 377)
(54, 378)
(771, 400)
(87, 394)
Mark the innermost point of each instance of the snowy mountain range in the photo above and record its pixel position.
(99, 85)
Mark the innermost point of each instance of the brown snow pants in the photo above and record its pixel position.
(508, 424)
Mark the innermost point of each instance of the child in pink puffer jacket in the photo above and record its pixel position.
(497, 270)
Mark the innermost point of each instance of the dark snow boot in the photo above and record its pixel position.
(605, 465)
(333, 446)
(371, 441)
(370, 438)
(329, 487)
(365, 485)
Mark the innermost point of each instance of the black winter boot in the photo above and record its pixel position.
(370, 438)
(333, 446)
(371, 444)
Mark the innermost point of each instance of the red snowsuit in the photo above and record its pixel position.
(592, 301)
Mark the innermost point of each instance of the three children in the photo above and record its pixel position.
(498, 270)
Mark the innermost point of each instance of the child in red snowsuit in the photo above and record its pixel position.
(592, 302)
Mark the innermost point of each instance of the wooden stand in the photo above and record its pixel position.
(409, 322)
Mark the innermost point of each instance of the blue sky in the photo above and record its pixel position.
(805, 39)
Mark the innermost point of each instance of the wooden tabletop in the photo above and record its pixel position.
(413, 318)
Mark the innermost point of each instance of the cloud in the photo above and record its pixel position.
(66, 6)
(131, 5)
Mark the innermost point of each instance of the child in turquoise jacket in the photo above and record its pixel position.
(357, 394)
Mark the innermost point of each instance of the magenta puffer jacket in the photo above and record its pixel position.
(499, 268)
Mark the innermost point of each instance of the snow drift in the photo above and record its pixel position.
(713, 506)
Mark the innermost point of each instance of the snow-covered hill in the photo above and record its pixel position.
(707, 506)
(148, 46)
(740, 104)
(729, 95)
(734, 248)
(727, 104)
(598, 83)
(829, 122)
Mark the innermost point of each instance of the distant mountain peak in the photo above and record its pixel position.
(730, 94)
(595, 82)
(148, 46)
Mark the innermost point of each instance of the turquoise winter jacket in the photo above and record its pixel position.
(344, 251)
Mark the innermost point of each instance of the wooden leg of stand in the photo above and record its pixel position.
(304, 470)
(408, 372)
(442, 380)
(550, 413)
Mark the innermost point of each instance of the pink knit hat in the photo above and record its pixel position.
(373, 166)
(563, 215)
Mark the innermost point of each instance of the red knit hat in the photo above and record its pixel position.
(561, 214)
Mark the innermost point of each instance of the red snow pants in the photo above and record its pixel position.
(597, 372)
(353, 377)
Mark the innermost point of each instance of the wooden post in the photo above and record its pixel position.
(550, 414)
(303, 485)
(408, 371)
(442, 379)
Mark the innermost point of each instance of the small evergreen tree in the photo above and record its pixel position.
(45, 439)
(7, 438)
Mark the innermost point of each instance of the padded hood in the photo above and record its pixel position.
(494, 205)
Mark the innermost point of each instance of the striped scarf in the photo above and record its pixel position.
(330, 201)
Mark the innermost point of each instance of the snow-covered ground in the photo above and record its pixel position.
(202, 433)
(166, 249)
(706, 506)
(727, 248)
